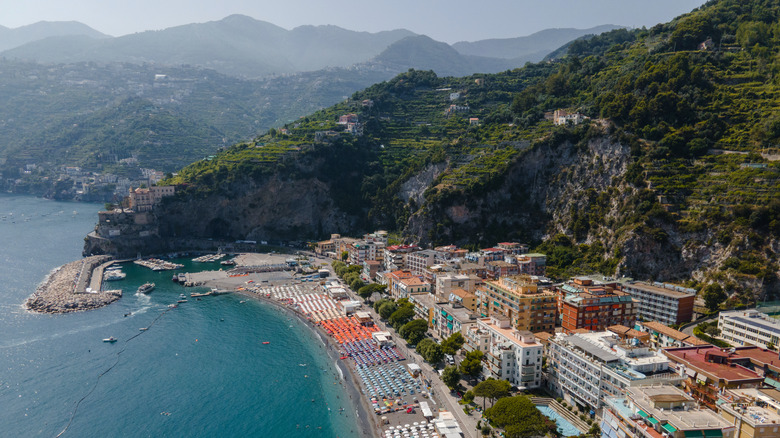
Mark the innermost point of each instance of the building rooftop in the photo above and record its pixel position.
(627, 332)
(462, 293)
(716, 364)
(754, 318)
(672, 333)
(460, 313)
(413, 281)
(591, 349)
(679, 292)
(510, 334)
(757, 406)
(646, 398)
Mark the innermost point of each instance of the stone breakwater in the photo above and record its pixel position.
(68, 289)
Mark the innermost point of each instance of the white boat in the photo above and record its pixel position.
(146, 288)
(111, 339)
(113, 275)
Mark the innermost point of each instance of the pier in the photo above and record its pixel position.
(74, 287)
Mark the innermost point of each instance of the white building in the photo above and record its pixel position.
(511, 354)
(445, 283)
(749, 327)
(585, 368)
(418, 261)
(661, 410)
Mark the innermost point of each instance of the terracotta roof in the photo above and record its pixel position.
(461, 292)
(665, 330)
(695, 358)
(543, 337)
(621, 329)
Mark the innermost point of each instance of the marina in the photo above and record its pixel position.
(208, 258)
(158, 264)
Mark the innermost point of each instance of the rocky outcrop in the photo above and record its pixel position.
(539, 191)
(273, 210)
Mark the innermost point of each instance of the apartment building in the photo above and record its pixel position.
(406, 287)
(513, 247)
(665, 303)
(754, 412)
(463, 298)
(394, 256)
(520, 300)
(447, 282)
(532, 264)
(594, 307)
(511, 354)
(709, 370)
(585, 368)
(449, 318)
(424, 307)
(418, 261)
(749, 327)
(661, 411)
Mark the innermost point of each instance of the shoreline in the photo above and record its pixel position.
(366, 421)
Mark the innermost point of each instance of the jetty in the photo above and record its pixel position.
(213, 291)
(74, 287)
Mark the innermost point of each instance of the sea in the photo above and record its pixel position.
(225, 366)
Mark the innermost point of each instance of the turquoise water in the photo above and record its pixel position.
(200, 370)
(564, 427)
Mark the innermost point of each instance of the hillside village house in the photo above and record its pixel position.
(142, 199)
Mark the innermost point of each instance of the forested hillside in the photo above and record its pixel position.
(672, 177)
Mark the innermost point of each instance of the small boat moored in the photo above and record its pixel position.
(113, 275)
(111, 339)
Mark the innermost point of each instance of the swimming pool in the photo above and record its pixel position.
(564, 427)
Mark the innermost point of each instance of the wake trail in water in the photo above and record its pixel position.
(107, 370)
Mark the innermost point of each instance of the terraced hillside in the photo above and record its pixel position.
(671, 177)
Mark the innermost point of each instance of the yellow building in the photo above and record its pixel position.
(754, 412)
(519, 299)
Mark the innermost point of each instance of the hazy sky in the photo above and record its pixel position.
(443, 20)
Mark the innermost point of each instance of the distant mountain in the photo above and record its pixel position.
(531, 48)
(243, 46)
(11, 38)
(423, 53)
(236, 45)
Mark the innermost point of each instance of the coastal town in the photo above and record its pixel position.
(424, 335)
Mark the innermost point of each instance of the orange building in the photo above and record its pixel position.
(594, 307)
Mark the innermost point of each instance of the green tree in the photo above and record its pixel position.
(472, 364)
(453, 343)
(366, 291)
(344, 256)
(387, 309)
(492, 389)
(468, 396)
(518, 417)
(451, 377)
(430, 351)
(414, 331)
(713, 296)
(401, 316)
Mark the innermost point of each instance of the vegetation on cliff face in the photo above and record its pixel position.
(673, 177)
